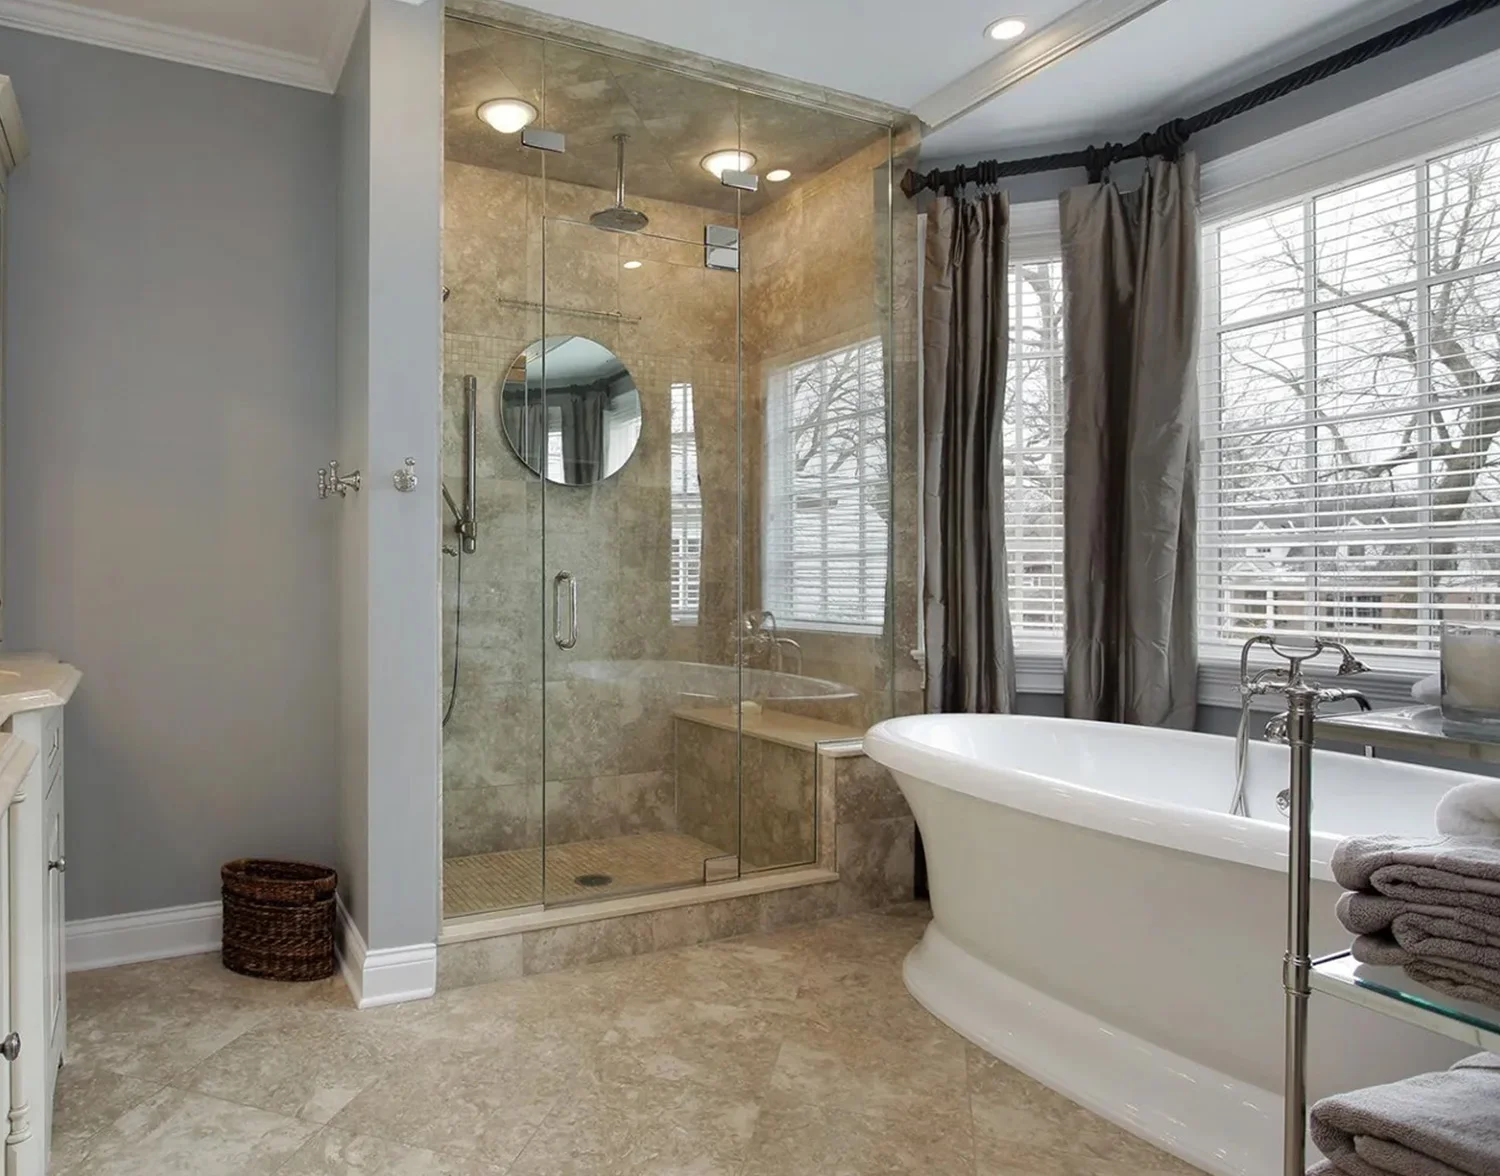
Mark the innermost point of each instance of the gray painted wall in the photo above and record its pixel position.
(353, 103)
(169, 397)
(1453, 46)
(390, 404)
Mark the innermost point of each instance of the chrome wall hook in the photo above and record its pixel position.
(330, 481)
(405, 479)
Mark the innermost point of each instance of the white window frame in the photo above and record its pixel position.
(1429, 117)
(685, 564)
(777, 523)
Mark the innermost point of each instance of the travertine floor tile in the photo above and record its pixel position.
(87, 1102)
(306, 1064)
(602, 1128)
(335, 1153)
(716, 1046)
(789, 1053)
(798, 1139)
(159, 1034)
(175, 1133)
(484, 1105)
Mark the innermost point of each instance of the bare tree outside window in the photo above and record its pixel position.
(828, 502)
(1034, 417)
(1351, 384)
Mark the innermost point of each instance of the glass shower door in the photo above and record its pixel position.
(636, 404)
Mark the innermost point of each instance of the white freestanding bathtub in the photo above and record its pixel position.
(1102, 923)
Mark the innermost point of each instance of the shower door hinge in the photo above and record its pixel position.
(721, 869)
(721, 247)
(745, 181)
(543, 140)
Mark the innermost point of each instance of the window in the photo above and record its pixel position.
(1034, 418)
(687, 510)
(1350, 400)
(827, 509)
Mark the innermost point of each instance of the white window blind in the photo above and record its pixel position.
(686, 510)
(1034, 419)
(827, 509)
(1350, 360)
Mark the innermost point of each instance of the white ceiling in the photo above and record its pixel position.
(1156, 66)
(1085, 68)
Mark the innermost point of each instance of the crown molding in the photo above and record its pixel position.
(1073, 30)
(351, 12)
(132, 35)
(73, 22)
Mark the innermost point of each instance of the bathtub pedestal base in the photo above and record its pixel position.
(1212, 1121)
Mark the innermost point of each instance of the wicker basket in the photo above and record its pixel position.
(278, 919)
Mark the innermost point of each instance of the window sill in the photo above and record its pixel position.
(1039, 671)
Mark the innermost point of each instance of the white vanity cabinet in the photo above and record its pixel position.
(34, 691)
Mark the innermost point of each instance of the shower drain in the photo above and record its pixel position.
(593, 879)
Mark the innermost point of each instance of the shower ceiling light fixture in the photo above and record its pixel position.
(507, 115)
(634, 264)
(1006, 29)
(716, 163)
(778, 174)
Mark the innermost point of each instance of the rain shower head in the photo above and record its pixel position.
(619, 219)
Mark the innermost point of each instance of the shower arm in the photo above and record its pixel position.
(620, 170)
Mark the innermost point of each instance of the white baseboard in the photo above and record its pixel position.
(388, 976)
(145, 935)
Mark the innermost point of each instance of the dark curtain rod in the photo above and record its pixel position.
(1169, 138)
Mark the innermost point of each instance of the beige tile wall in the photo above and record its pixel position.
(608, 743)
(815, 277)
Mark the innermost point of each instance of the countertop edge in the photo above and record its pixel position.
(61, 680)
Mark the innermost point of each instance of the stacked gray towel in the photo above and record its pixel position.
(1430, 905)
(1444, 1124)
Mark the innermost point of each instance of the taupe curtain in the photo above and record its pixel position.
(1130, 267)
(970, 658)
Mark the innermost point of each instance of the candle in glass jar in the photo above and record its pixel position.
(1471, 673)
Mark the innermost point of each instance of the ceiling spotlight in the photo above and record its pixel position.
(507, 115)
(634, 264)
(778, 174)
(1006, 29)
(716, 163)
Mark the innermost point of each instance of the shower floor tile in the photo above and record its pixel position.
(483, 882)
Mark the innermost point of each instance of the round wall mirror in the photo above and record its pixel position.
(570, 410)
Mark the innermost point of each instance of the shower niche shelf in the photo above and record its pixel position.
(1390, 992)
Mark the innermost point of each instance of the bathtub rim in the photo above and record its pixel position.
(1244, 840)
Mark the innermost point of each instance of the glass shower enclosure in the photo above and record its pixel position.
(666, 461)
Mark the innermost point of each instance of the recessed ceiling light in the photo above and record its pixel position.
(634, 264)
(778, 174)
(716, 163)
(507, 115)
(1006, 29)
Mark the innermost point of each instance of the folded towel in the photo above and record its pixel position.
(1425, 937)
(1471, 809)
(1363, 913)
(1443, 1124)
(1438, 871)
(1455, 977)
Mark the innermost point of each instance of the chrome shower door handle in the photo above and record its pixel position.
(558, 581)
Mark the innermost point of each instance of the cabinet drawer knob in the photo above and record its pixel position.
(60, 865)
(10, 1048)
